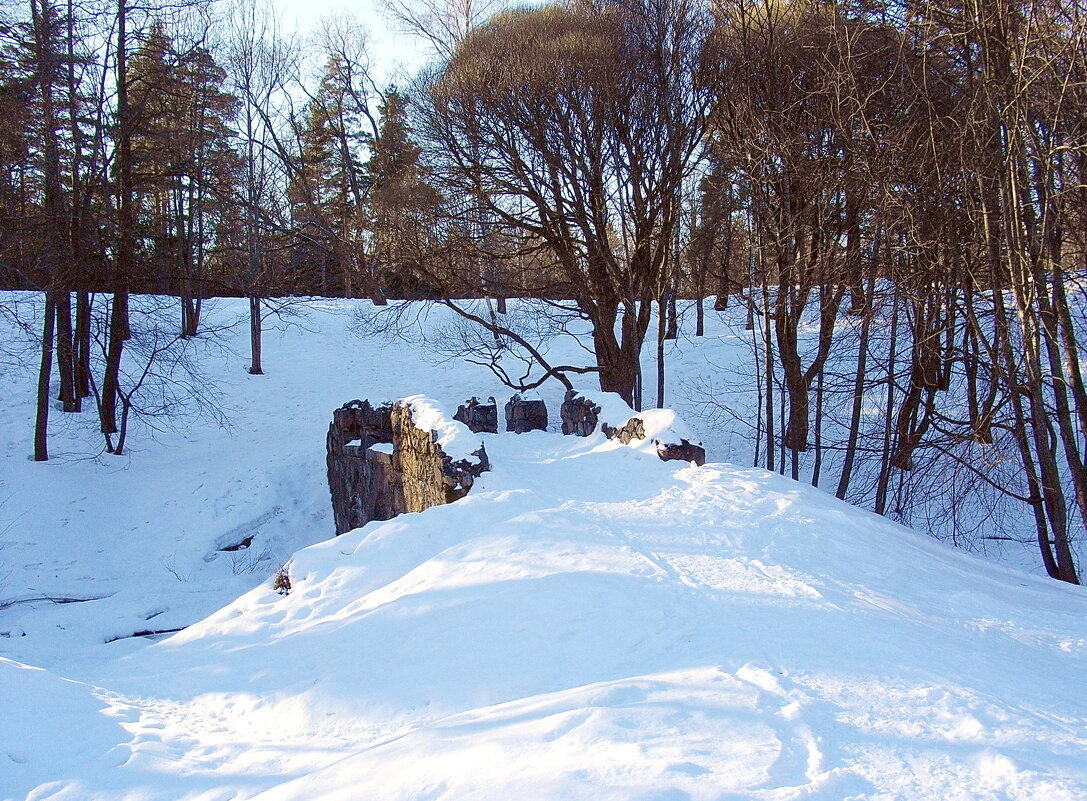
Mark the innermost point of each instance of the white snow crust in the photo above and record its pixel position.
(588, 623)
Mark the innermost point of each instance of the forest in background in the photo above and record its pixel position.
(892, 191)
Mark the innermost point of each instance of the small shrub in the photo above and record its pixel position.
(282, 581)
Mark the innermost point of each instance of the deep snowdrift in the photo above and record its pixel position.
(589, 623)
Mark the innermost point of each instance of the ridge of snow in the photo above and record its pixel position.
(614, 411)
(601, 625)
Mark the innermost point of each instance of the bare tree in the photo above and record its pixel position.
(260, 63)
(577, 127)
(442, 24)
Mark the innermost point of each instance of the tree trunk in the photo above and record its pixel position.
(662, 335)
(768, 366)
(883, 481)
(45, 371)
(818, 437)
(672, 316)
(619, 359)
(858, 402)
(65, 352)
(118, 333)
(126, 246)
(254, 336)
(82, 346)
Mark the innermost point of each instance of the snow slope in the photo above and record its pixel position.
(589, 623)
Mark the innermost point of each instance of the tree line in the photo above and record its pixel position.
(893, 191)
(189, 150)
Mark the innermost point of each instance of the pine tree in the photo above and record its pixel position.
(327, 188)
(15, 156)
(184, 163)
(401, 205)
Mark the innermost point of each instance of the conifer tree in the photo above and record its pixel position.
(184, 163)
(327, 187)
(401, 204)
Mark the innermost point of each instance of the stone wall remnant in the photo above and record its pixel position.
(632, 429)
(683, 451)
(524, 415)
(481, 418)
(360, 484)
(678, 450)
(389, 459)
(426, 475)
(381, 464)
(580, 416)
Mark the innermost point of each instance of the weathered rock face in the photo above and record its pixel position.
(478, 416)
(359, 478)
(525, 415)
(427, 475)
(380, 465)
(580, 415)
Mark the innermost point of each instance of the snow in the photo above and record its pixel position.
(662, 426)
(454, 438)
(614, 411)
(588, 623)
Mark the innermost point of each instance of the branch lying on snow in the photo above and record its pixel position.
(146, 633)
(51, 599)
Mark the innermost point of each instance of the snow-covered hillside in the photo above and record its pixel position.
(589, 623)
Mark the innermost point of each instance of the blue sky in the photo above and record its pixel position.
(395, 56)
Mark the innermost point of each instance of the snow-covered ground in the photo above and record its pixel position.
(589, 623)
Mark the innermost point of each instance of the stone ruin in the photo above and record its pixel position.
(481, 418)
(524, 415)
(382, 464)
(580, 416)
(683, 451)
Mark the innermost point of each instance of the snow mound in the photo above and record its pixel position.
(614, 411)
(597, 624)
(662, 426)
